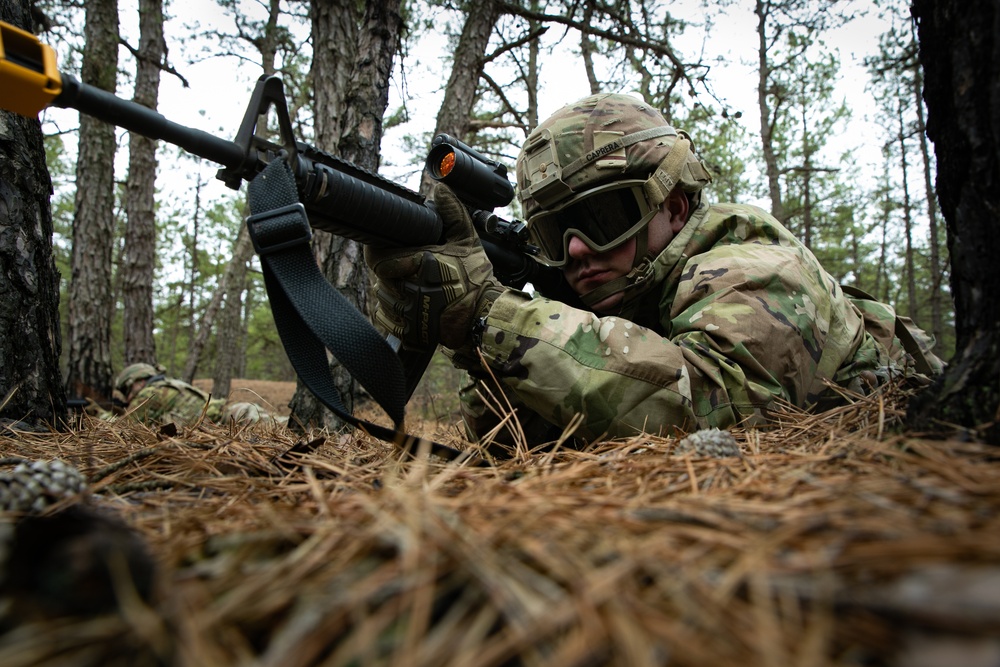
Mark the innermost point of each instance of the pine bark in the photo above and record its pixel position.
(137, 270)
(960, 55)
(90, 294)
(227, 337)
(31, 387)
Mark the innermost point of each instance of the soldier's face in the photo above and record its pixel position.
(588, 269)
(136, 387)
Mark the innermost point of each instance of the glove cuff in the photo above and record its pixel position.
(465, 356)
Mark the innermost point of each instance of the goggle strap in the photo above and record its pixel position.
(621, 142)
(668, 174)
(641, 245)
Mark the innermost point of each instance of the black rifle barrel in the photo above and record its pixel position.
(105, 106)
(340, 197)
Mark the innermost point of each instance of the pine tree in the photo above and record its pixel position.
(90, 303)
(30, 381)
(959, 52)
(137, 269)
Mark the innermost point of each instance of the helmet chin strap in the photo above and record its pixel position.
(641, 270)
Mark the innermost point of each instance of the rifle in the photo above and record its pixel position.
(335, 195)
(81, 396)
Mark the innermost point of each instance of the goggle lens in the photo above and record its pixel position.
(603, 221)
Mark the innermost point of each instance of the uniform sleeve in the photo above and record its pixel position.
(739, 333)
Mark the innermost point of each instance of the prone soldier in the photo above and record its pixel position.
(673, 312)
(149, 395)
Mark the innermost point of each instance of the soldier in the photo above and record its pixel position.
(152, 396)
(677, 313)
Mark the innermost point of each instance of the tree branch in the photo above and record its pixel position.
(163, 66)
(534, 34)
(657, 47)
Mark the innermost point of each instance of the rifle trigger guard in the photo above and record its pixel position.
(279, 229)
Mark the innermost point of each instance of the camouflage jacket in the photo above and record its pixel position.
(170, 400)
(739, 315)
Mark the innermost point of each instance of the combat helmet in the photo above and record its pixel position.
(604, 152)
(132, 374)
(602, 139)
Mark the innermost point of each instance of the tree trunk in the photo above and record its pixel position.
(937, 267)
(531, 76)
(587, 52)
(351, 81)
(764, 83)
(807, 172)
(90, 303)
(882, 270)
(31, 386)
(140, 233)
(960, 54)
(227, 301)
(227, 337)
(195, 266)
(235, 273)
(909, 271)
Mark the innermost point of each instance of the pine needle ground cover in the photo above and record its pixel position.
(829, 539)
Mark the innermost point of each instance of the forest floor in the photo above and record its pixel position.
(273, 396)
(832, 540)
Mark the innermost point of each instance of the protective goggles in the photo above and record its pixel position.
(603, 218)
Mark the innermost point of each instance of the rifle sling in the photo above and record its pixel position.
(312, 316)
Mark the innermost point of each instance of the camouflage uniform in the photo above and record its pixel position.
(245, 412)
(163, 399)
(734, 315)
(741, 314)
(166, 399)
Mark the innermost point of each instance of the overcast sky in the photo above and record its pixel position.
(220, 88)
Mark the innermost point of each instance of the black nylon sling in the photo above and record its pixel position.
(312, 316)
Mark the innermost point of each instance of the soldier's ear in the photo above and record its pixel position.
(678, 204)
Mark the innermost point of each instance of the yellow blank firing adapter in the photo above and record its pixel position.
(29, 79)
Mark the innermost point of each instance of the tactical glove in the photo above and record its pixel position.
(435, 294)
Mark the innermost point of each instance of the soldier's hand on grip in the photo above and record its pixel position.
(435, 294)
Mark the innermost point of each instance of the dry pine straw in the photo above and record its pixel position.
(831, 540)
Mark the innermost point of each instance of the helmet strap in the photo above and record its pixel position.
(640, 270)
(631, 284)
(659, 186)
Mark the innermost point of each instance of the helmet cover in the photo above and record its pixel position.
(594, 141)
(132, 374)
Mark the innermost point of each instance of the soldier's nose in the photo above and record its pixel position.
(577, 249)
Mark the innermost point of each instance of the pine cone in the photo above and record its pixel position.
(33, 485)
(710, 442)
